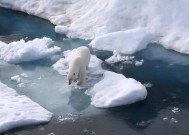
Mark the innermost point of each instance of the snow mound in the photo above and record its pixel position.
(116, 90)
(61, 66)
(128, 42)
(18, 110)
(22, 51)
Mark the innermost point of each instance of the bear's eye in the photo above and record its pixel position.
(73, 73)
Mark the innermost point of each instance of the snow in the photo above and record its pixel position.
(61, 66)
(22, 51)
(127, 42)
(98, 19)
(115, 90)
(18, 110)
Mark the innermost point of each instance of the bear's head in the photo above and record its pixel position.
(72, 75)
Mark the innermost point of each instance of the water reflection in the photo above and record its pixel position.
(79, 100)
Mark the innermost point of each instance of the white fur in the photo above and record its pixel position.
(78, 65)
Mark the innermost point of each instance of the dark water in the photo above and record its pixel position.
(166, 70)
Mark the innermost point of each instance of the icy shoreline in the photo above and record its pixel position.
(91, 19)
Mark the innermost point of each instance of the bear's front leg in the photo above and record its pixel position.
(81, 77)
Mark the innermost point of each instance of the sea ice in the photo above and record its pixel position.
(22, 51)
(18, 110)
(116, 57)
(100, 19)
(115, 90)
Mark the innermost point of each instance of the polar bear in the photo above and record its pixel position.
(78, 64)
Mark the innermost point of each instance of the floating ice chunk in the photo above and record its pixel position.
(21, 51)
(165, 118)
(16, 78)
(68, 117)
(175, 110)
(115, 90)
(51, 134)
(139, 63)
(127, 42)
(61, 66)
(148, 85)
(173, 120)
(18, 110)
(116, 57)
(88, 132)
(143, 123)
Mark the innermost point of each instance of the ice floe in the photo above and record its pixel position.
(115, 90)
(22, 51)
(18, 110)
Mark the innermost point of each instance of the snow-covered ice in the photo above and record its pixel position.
(98, 18)
(115, 90)
(22, 51)
(127, 42)
(61, 66)
(139, 63)
(18, 110)
(116, 57)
